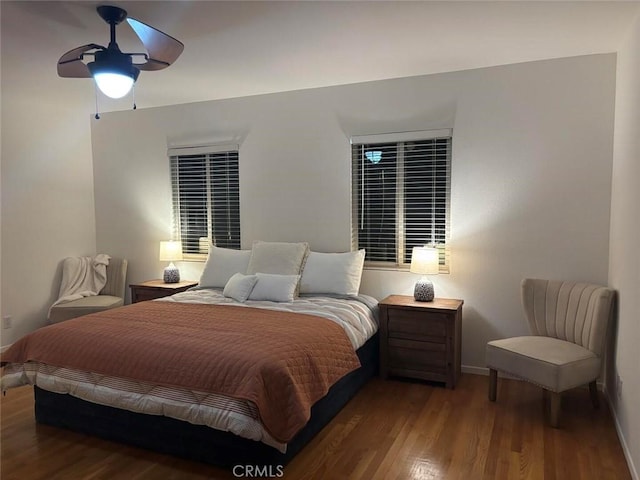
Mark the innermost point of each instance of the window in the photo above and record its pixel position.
(206, 197)
(401, 194)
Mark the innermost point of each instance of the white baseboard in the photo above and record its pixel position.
(625, 448)
(475, 370)
(484, 371)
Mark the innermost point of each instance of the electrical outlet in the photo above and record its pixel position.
(618, 385)
(7, 321)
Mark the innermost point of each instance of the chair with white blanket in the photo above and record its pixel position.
(110, 295)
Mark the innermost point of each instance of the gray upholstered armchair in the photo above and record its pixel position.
(568, 324)
(111, 295)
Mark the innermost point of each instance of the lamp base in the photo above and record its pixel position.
(423, 292)
(171, 275)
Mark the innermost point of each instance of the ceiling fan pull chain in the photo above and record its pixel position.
(134, 96)
(97, 116)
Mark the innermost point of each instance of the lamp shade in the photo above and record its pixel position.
(113, 72)
(170, 251)
(425, 261)
(113, 85)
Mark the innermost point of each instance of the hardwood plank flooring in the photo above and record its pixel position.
(391, 430)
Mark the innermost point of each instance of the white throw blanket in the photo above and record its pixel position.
(82, 277)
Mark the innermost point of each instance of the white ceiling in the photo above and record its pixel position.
(240, 48)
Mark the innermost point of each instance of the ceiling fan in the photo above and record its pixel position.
(113, 70)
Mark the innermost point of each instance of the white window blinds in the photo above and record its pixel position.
(401, 195)
(206, 197)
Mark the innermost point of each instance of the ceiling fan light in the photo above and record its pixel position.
(113, 72)
(113, 85)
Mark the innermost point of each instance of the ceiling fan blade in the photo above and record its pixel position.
(73, 69)
(163, 49)
(70, 64)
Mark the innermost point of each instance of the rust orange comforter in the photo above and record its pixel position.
(283, 362)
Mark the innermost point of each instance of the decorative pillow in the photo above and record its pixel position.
(276, 288)
(277, 257)
(222, 264)
(239, 286)
(335, 273)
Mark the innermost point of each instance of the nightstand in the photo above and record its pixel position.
(157, 289)
(421, 339)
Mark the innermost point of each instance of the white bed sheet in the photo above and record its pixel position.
(358, 316)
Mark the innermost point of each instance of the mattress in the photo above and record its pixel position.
(356, 315)
(197, 442)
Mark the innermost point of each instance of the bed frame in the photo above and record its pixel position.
(198, 442)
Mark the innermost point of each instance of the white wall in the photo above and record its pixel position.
(531, 180)
(624, 267)
(47, 176)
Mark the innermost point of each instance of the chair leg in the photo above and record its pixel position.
(493, 384)
(555, 400)
(593, 392)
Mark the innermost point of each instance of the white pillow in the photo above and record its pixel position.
(335, 273)
(222, 264)
(239, 286)
(277, 257)
(276, 288)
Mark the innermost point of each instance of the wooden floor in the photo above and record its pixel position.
(390, 430)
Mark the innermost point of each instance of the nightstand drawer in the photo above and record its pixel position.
(407, 354)
(145, 295)
(406, 324)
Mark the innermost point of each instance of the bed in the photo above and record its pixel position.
(306, 356)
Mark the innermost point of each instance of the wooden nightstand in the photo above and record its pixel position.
(157, 289)
(421, 339)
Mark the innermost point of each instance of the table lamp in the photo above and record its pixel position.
(424, 261)
(171, 251)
